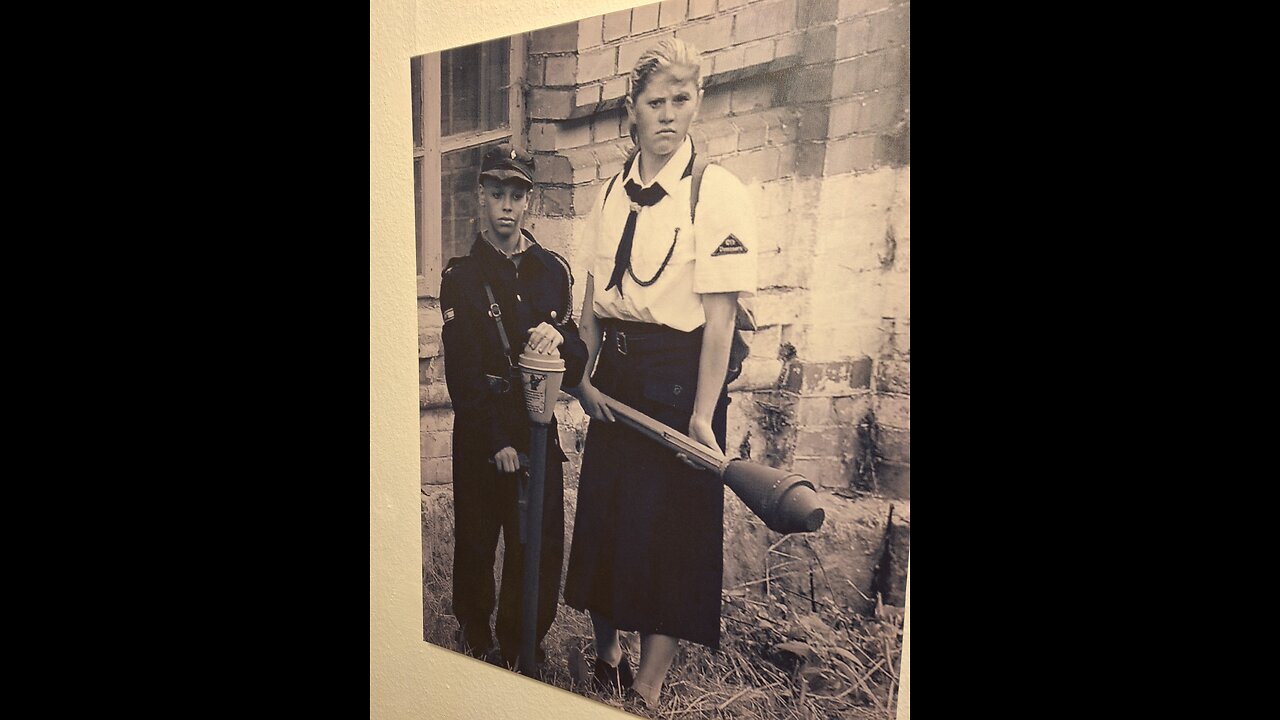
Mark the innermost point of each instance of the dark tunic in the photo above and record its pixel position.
(648, 532)
(485, 421)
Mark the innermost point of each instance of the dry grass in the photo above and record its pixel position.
(779, 658)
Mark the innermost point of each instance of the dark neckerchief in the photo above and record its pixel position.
(640, 198)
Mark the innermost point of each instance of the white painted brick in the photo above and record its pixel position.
(830, 341)
(437, 471)
(758, 372)
(436, 421)
(429, 345)
(778, 308)
(894, 411)
(437, 444)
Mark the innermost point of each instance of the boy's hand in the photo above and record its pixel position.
(544, 339)
(507, 460)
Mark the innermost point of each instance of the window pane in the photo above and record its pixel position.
(460, 172)
(474, 85)
(459, 107)
(415, 84)
(496, 81)
(417, 213)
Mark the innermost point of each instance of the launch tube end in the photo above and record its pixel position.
(786, 502)
(799, 511)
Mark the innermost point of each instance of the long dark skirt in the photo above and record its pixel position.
(648, 532)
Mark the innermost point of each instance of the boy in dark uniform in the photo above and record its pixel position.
(532, 288)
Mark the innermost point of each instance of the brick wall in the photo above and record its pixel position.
(808, 103)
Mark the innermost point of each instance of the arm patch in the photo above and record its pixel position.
(730, 246)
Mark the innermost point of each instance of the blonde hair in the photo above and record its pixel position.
(666, 55)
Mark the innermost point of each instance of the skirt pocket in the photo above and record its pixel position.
(676, 394)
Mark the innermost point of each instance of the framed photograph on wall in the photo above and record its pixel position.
(619, 194)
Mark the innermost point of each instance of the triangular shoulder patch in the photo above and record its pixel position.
(730, 246)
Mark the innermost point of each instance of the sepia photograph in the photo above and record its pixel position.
(664, 354)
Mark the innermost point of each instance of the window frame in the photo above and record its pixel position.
(434, 146)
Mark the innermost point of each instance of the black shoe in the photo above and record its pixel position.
(633, 701)
(613, 680)
(477, 648)
(494, 657)
(512, 661)
(479, 652)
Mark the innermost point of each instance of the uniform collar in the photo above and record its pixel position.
(483, 250)
(523, 243)
(670, 175)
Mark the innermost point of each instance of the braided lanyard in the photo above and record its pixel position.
(626, 168)
(646, 283)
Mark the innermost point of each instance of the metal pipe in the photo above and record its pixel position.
(533, 550)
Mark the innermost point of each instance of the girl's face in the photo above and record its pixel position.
(663, 112)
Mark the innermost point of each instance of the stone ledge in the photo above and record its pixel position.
(434, 396)
(828, 378)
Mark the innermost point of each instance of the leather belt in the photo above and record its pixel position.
(628, 337)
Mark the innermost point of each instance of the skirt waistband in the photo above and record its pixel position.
(626, 337)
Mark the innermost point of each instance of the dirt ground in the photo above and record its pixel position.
(784, 654)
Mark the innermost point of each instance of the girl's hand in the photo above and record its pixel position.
(593, 401)
(700, 430)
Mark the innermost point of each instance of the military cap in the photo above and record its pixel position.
(504, 162)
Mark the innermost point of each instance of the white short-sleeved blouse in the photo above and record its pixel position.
(716, 255)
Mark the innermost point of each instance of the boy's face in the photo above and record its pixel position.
(663, 112)
(503, 205)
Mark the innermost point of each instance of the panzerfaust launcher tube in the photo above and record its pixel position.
(786, 502)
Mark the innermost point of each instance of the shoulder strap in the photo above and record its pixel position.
(626, 168)
(699, 169)
(609, 189)
(495, 312)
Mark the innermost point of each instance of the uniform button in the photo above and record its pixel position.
(677, 389)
